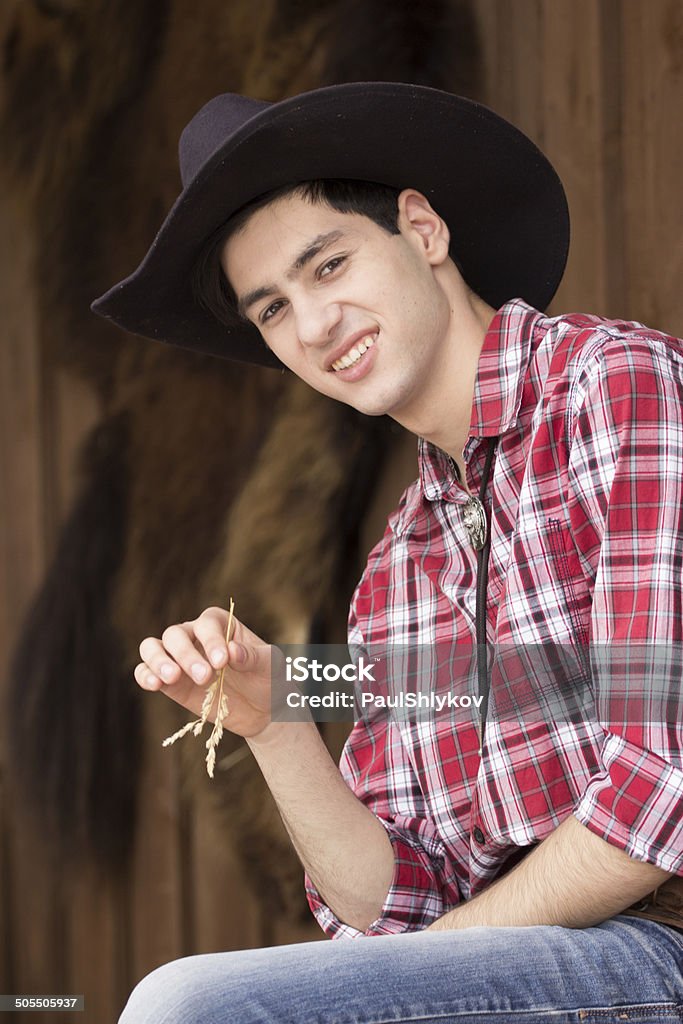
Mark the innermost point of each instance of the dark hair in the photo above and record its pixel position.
(377, 202)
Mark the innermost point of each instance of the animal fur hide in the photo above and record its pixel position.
(204, 478)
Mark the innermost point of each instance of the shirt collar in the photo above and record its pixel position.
(502, 369)
(498, 389)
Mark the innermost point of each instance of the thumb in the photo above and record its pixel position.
(247, 657)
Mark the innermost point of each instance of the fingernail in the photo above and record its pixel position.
(149, 681)
(199, 672)
(166, 671)
(217, 657)
(240, 653)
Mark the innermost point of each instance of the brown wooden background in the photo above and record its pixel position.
(599, 85)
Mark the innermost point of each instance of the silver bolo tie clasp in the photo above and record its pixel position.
(474, 518)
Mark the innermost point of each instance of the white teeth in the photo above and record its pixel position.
(354, 354)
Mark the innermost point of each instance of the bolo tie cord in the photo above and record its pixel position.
(483, 679)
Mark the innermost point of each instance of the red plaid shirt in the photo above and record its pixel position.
(586, 500)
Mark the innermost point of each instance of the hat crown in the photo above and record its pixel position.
(211, 127)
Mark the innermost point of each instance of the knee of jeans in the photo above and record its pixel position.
(166, 995)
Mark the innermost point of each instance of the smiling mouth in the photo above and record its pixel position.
(354, 354)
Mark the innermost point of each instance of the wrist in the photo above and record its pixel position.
(283, 736)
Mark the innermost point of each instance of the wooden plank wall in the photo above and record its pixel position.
(599, 85)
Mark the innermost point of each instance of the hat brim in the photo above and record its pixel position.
(501, 198)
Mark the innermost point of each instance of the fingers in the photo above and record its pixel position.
(195, 650)
(246, 652)
(145, 678)
(180, 642)
(210, 629)
(182, 651)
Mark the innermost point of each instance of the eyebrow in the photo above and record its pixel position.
(311, 250)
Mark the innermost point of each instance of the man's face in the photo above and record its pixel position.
(359, 314)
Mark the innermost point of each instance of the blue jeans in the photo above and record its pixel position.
(626, 969)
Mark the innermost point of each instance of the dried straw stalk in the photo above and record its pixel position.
(214, 696)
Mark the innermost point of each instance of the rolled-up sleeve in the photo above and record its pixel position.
(626, 511)
(375, 766)
(636, 803)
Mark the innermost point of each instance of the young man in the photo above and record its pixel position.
(392, 245)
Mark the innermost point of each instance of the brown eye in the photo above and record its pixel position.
(331, 265)
(271, 311)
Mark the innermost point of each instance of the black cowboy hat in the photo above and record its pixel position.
(500, 196)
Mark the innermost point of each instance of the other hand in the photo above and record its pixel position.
(188, 657)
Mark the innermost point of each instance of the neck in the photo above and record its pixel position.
(445, 411)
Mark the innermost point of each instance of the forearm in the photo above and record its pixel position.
(574, 879)
(341, 844)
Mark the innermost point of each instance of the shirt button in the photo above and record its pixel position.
(479, 835)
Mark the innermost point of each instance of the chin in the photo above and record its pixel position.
(371, 405)
(372, 412)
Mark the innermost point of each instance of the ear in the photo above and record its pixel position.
(418, 220)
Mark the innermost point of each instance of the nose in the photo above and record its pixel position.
(316, 320)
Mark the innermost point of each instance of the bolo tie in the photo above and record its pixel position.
(476, 522)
